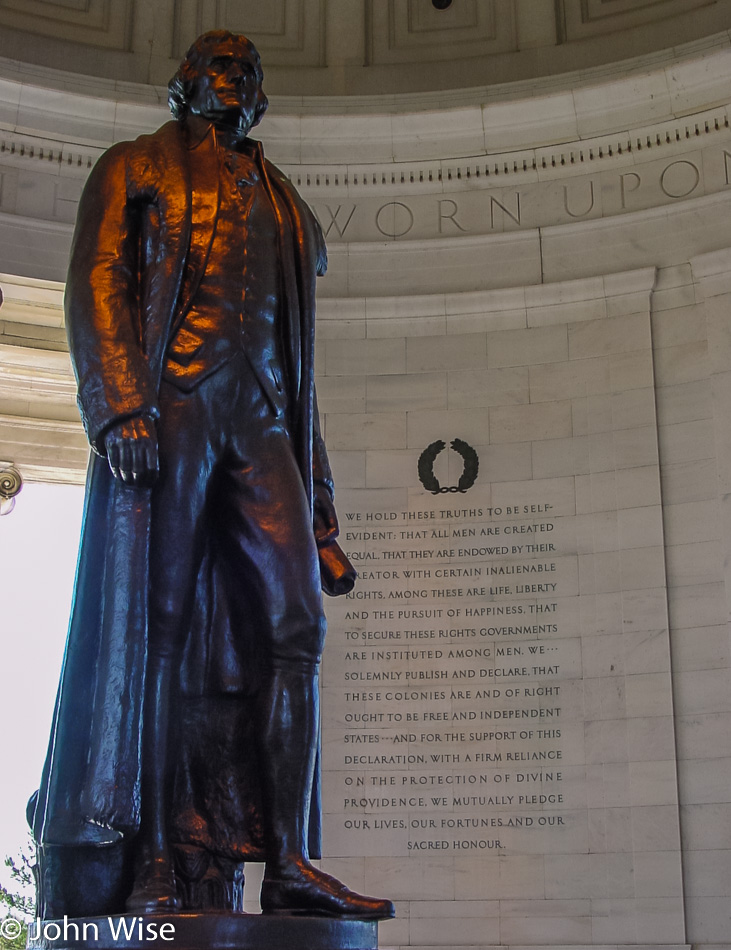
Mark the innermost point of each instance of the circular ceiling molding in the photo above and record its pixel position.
(357, 47)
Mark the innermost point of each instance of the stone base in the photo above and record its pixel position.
(203, 932)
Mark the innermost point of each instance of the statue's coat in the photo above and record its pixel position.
(143, 203)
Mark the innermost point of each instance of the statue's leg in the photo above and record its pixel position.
(176, 532)
(155, 888)
(289, 709)
(288, 736)
(269, 526)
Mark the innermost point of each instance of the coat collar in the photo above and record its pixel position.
(197, 130)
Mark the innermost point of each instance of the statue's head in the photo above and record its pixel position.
(221, 80)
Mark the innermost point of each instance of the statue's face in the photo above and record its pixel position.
(227, 88)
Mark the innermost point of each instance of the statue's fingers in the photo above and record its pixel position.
(152, 461)
(126, 465)
(113, 458)
(144, 462)
(137, 457)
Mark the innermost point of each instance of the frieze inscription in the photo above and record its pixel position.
(476, 209)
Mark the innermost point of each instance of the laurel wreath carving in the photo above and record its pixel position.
(425, 466)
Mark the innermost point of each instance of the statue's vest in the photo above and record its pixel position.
(236, 304)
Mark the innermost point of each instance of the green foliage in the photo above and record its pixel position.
(16, 904)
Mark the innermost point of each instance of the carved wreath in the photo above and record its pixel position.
(426, 467)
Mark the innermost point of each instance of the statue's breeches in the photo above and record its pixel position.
(230, 490)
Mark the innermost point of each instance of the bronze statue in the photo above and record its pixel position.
(186, 729)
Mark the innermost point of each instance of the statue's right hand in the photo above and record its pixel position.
(132, 451)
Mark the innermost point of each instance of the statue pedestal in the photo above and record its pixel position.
(210, 931)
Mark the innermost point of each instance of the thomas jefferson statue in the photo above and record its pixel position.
(186, 732)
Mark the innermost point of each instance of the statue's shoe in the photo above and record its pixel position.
(154, 891)
(319, 894)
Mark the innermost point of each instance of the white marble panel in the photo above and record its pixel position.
(635, 448)
(655, 876)
(694, 563)
(654, 828)
(524, 347)
(341, 394)
(708, 920)
(706, 782)
(562, 313)
(701, 648)
(508, 462)
(671, 298)
(640, 527)
(552, 930)
(326, 138)
(506, 126)
(703, 691)
(695, 480)
(556, 457)
(697, 605)
(646, 694)
(646, 651)
(348, 468)
(468, 424)
(662, 236)
(604, 696)
(684, 402)
(409, 327)
(362, 357)
(411, 392)
(630, 371)
(463, 128)
(552, 381)
(475, 322)
(706, 827)
(494, 387)
(644, 920)
(344, 330)
(533, 422)
(449, 265)
(653, 783)
(493, 302)
(677, 326)
(443, 929)
(357, 431)
(621, 98)
(465, 351)
(689, 81)
(638, 487)
(607, 337)
(691, 522)
(704, 736)
(78, 118)
(681, 363)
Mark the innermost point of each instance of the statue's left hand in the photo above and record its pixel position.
(132, 451)
(325, 521)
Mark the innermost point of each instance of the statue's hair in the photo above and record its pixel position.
(182, 86)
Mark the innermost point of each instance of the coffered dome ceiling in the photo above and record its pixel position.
(356, 47)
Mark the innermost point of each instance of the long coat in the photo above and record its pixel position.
(147, 213)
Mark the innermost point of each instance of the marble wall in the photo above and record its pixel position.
(527, 700)
(497, 694)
